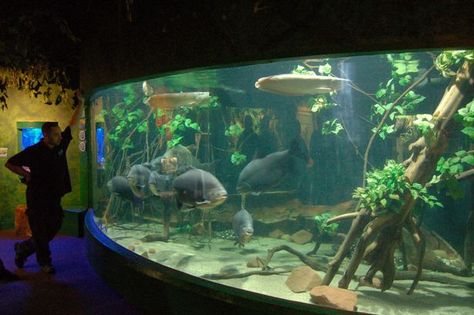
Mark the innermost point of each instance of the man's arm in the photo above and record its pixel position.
(18, 170)
(77, 111)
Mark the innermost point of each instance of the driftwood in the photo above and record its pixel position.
(320, 266)
(379, 236)
(469, 240)
(219, 276)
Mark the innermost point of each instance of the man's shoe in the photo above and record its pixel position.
(6, 275)
(19, 259)
(48, 269)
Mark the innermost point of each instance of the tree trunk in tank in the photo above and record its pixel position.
(381, 235)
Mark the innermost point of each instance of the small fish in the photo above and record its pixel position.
(196, 188)
(299, 84)
(138, 178)
(242, 224)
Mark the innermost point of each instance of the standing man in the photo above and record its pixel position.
(44, 169)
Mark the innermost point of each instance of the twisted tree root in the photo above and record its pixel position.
(369, 233)
(420, 244)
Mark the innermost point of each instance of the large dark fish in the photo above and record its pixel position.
(265, 173)
(242, 224)
(196, 188)
(119, 186)
(138, 178)
(160, 184)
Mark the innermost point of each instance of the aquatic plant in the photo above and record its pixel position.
(386, 187)
(234, 130)
(446, 60)
(325, 69)
(466, 117)
(404, 68)
(184, 228)
(448, 171)
(424, 123)
(125, 121)
(331, 127)
(178, 122)
(238, 158)
(321, 224)
(302, 70)
(320, 102)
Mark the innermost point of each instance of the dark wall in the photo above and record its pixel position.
(150, 37)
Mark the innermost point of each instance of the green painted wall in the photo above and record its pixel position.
(21, 108)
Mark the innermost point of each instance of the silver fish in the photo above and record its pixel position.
(174, 100)
(299, 84)
(242, 224)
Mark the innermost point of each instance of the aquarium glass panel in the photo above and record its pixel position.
(285, 177)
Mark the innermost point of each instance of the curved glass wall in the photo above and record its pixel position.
(258, 176)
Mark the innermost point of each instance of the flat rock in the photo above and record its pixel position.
(334, 297)
(276, 233)
(255, 263)
(303, 279)
(301, 237)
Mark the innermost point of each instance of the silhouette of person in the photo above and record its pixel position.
(248, 140)
(267, 142)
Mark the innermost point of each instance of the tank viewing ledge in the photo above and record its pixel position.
(156, 288)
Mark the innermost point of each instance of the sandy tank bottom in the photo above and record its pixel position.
(197, 256)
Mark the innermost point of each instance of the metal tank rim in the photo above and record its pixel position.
(156, 288)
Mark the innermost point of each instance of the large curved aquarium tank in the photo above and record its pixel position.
(325, 183)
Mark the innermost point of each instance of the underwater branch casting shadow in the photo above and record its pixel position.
(159, 289)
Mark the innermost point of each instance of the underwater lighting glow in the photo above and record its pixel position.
(100, 146)
(30, 136)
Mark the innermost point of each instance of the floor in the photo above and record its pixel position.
(74, 289)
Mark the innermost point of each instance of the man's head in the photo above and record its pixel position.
(51, 134)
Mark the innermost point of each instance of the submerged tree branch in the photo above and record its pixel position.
(384, 118)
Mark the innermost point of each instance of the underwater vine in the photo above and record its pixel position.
(385, 189)
(404, 69)
(322, 227)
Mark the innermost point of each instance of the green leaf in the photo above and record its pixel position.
(469, 131)
(325, 69)
(238, 158)
(394, 197)
(380, 93)
(468, 159)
